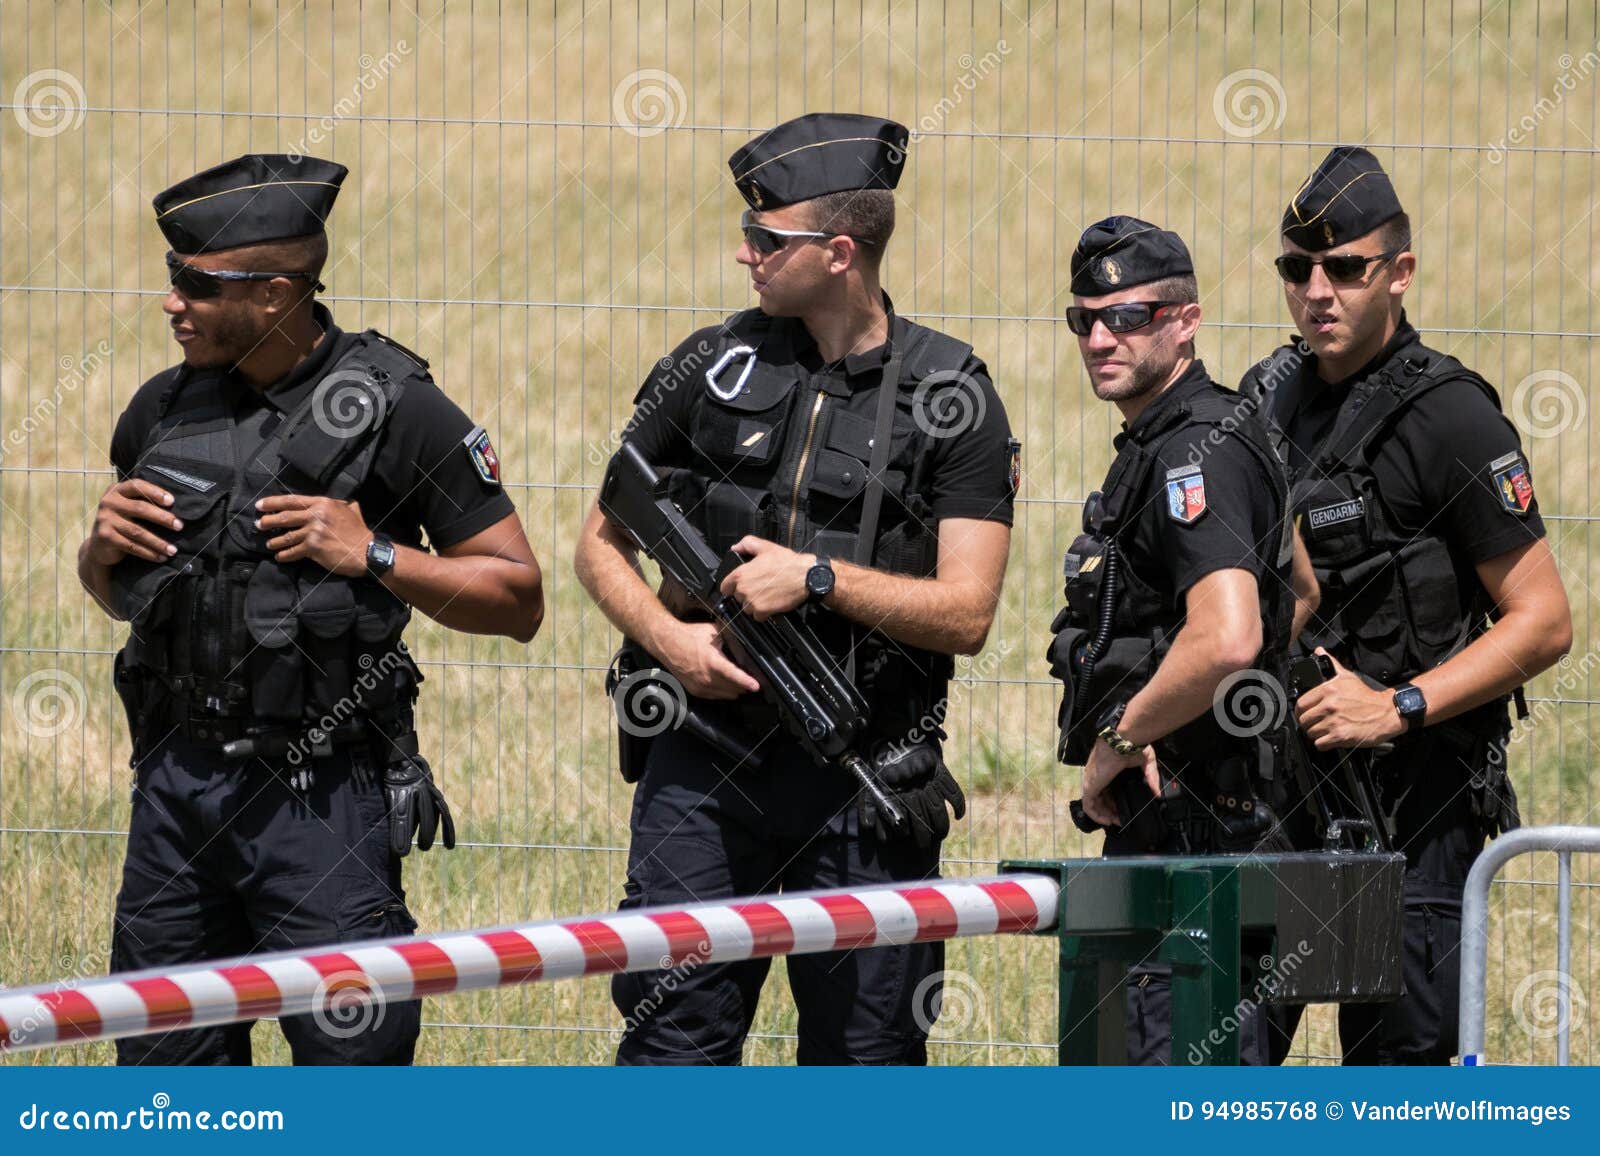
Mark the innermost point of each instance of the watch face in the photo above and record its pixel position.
(819, 580)
(1409, 700)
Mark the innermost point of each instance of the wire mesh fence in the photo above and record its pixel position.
(539, 205)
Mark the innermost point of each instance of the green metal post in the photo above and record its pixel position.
(1193, 913)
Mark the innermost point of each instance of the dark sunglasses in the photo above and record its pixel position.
(1123, 318)
(766, 240)
(199, 284)
(1341, 268)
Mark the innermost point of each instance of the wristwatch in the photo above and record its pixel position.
(1107, 732)
(819, 580)
(380, 556)
(1411, 705)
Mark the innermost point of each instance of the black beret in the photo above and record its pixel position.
(1120, 252)
(1347, 197)
(254, 198)
(818, 154)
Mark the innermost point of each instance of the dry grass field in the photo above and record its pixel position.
(539, 204)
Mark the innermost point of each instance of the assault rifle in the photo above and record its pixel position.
(819, 706)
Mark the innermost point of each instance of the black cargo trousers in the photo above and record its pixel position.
(227, 858)
(706, 831)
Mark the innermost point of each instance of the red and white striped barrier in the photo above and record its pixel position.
(336, 982)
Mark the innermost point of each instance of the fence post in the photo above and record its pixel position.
(1475, 926)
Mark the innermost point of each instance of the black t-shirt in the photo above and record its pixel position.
(1444, 465)
(969, 476)
(423, 478)
(1206, 505)
(1443, 468)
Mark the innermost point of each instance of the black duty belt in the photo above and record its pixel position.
(237, 739)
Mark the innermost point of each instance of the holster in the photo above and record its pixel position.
(1141, 818)
(1143, 815)
(1239, 817)
(135, 692)
(1482, 746)
(633, 751)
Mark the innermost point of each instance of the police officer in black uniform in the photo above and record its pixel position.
(264, 542)
(1417, 507)
(776, 424)
(1179, 591)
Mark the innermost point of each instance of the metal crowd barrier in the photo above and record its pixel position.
(1331, 922)
(339, 980)
(1475, 928)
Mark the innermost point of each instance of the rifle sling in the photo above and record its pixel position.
(872, 502)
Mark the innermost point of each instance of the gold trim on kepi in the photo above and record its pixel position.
(817, 154)
(251, 199)
(1347, 197)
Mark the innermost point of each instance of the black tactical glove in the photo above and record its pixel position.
(416, 804)
(919, 781)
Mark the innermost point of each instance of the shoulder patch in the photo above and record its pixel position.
(1014, 465)
(1514, 482)
(1186, 494)
(484, 460)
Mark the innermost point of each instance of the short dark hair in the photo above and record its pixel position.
(866, 214)
(1395, 233)
(1183, 288)
(305, 254)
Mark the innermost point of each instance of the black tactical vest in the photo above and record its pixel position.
(1392, 604)
(225, 640)
(783, 453)
(1118, 624)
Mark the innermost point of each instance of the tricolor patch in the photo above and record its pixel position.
(484, 459)
(1186, 494)
(1014, 449)
(1511, 477)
